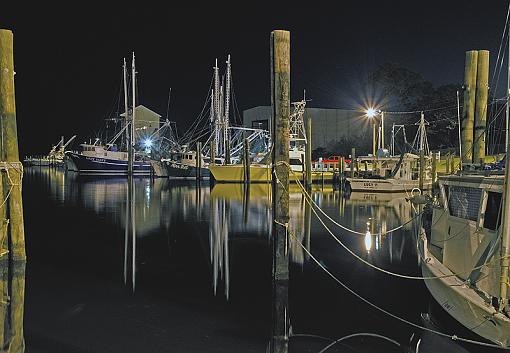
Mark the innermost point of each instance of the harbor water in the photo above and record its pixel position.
(197, 276)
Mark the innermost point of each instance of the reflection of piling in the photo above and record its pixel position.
(280, 87)
(12, 296)
(308, 224)
(246, 159)
(308, 155)
(12, 168)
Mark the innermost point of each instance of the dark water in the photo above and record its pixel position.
(197, 276)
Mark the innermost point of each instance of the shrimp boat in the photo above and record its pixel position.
(139, 127)
(462, 247)
(96, 158)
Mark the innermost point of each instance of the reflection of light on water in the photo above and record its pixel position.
(377, 242)
(368, 241)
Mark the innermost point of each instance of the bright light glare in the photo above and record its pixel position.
(371, 112)
(368, 241)
(147, 143)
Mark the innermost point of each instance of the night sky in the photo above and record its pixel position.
(68, 59)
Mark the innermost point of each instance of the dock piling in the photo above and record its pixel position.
(246, 159)
(12, 170)
(280, 101)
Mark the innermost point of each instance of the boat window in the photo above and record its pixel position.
(464, 202)
(294, 161)
(492, 218)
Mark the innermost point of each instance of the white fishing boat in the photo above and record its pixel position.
(389, 173)
(463, 249)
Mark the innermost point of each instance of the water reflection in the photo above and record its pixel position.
(215, 221)
(12, 296)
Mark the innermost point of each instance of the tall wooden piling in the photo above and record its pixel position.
(482, 91)
(12, 169)
(246, 159)
(308, 156)
(468, 113)
(280, 102)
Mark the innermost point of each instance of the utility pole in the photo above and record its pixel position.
(12, 170)
(382, 129)
(280, 101)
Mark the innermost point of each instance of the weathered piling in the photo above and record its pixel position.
(12, 170)
(246, 159)
(447, 164)
(468, 113)
(280, 101)
(434, 168)
(353, 161)
(198, 160)
(308, 156)
(212, 152)
(482, 91)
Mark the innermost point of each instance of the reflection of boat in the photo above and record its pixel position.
(464, 244)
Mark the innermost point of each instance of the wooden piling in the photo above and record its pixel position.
(434, 168)
(468, 113)
(12, 170)
(280, 101)
(308, 156)
(482, 91)
(246, 159)
(198, 160)
(353, 161)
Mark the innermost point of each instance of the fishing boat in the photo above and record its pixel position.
(462, 248)
(139, 128)
(388, 173)
(102, 159)
(184, 166)
(54, 158)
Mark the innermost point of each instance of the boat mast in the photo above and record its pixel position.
(226, 109)
(126, 118)
(133, 114)
(217, 117)
(505, 227)
(507, 94)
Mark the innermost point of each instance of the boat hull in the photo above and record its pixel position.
(464, 304)
(176, 170)
(386, 185)
(260, 174)
(105, 166)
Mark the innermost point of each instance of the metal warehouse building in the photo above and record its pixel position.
(328, 125)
